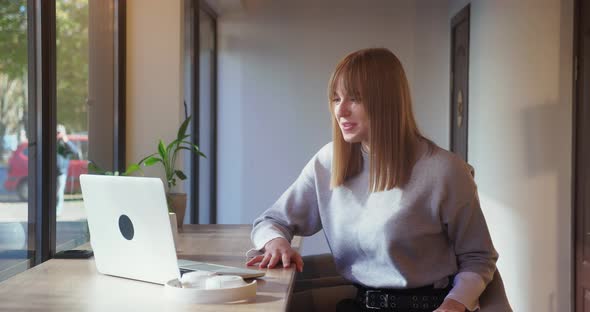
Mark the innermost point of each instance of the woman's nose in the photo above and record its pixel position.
(342, 110)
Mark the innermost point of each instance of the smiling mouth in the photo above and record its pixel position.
(347, 126)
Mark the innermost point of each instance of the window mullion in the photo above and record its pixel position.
(44, 125)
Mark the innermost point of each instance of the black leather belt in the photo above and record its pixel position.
(420, 299)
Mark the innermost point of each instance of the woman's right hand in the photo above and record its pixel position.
(278, 249)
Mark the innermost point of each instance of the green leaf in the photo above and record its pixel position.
(198, 151)
(175, 143)
(171, 145)
(182, 129)
(185, 148)
(193, 149)
(145, 158)
(131, 169)
(152, 160)
(180, 175)
(196, 148)
(162, 149)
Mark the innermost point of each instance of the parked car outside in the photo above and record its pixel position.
(18, 168)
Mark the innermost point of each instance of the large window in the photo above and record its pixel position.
(61, 104)
(14, 151)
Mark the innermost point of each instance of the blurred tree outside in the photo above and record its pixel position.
(72, 66)
(13, 68)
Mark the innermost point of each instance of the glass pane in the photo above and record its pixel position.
(14, 175)
(72, 119)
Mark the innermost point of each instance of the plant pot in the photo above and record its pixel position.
(174, 226)
(177, 204)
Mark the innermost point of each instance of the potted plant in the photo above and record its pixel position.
(166, 157)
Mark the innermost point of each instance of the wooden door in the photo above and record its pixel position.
(460, 82)
(581, 164)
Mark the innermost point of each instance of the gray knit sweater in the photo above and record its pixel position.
(400, 238)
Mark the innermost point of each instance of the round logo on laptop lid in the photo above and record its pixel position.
(126, 227)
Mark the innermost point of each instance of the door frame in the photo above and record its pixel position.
(580, 132)
(461, 16)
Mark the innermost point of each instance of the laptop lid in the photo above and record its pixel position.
(129, 226)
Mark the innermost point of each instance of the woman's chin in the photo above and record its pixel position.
(351, 139)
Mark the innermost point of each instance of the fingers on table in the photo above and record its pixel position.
(255, 260)
(298, 262)
(271, 260)
(286, 258)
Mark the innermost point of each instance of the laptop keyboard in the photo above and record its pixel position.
(201, 267)
(186, 266)
(205, 267)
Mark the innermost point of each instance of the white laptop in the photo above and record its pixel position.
(130, 230)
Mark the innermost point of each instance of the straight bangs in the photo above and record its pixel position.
(376, 77)
(350, 73)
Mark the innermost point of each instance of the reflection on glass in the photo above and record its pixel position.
(13, 138)
(72, 120)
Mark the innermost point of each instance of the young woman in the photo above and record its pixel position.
(401, 215)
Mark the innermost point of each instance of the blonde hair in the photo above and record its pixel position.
(377, 79)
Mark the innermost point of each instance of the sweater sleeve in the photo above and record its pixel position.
(294, 213)
(467, 229)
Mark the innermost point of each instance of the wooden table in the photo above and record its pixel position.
(75, 285)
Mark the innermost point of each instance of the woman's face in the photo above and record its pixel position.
(351, 116)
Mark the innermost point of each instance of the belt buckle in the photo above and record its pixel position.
(385, 298)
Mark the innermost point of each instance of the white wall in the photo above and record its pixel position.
(430, 86)
(520, 142)
(275, 59)
(154, 76)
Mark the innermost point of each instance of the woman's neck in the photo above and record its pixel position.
(365, 147)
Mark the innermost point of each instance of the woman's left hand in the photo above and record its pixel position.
(450, 305)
